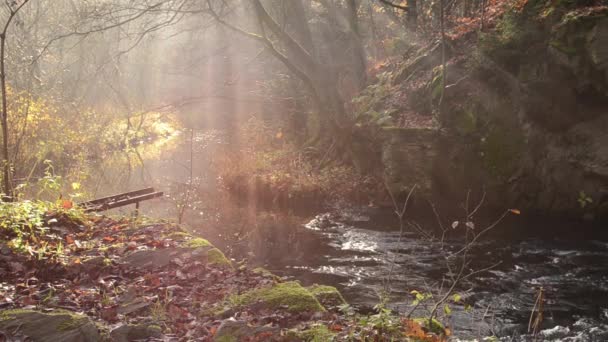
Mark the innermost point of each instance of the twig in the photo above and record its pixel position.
(400, 214)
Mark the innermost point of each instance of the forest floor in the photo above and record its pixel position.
(70, 276)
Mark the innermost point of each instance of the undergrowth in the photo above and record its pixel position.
(28, 226)
(272, 171)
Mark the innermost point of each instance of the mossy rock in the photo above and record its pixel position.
(266, 273)
(179, 235)
(197, 242)
(130, 332)
(216, 257)
(328, 296)
(60, 325)
(231, 330)
(290, 296)
(196, 248)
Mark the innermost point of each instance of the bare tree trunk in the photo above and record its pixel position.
(443, 56)
(6, 163)
(483, 12)
(361, 62)
(412, 14)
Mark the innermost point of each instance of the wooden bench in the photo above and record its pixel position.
(120, 200)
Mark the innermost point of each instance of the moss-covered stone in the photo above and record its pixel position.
(328, 296)
(216, 257)
(231, 330)
(194, 248)
(130, 332)
(197, 242)
(59, 325)
(266, 273)
(290, 296)
(179, 235)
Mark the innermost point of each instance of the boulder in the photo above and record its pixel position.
(53, 326)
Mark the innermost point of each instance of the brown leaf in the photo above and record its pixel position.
(176, 311)
(109, 313)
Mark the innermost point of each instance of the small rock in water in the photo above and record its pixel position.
(555, 332)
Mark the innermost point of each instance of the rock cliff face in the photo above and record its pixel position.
(525, 116)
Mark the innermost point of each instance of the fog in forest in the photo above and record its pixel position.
(303, 170)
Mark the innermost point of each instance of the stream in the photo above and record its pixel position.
(354, 249)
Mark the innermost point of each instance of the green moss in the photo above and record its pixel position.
(436, 85)
(317, 333)
(156, 328)
(290, 295)
(74, 322)
(12, 314)
(465, 122)
(216, 257)
(327, 295)
(179, 235)
(563, 47)
(226, 338)
(197, 243)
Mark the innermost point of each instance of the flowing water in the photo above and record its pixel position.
(355, 250)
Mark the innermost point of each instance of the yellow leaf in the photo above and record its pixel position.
(515, 211)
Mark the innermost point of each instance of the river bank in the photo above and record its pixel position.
(68, 276)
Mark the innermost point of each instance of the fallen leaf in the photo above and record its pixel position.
(336, 327)
(67, 204)
(109, 313)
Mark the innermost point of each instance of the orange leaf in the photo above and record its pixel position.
(108, 239)
(69, 239)
(67, 204)
(515, 211)
(77, 261)
(336, 327)
(413, 329)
